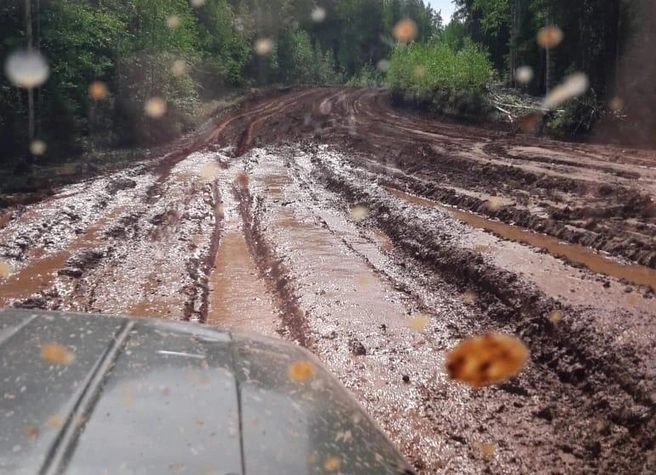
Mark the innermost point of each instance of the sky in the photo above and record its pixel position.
(446, 6)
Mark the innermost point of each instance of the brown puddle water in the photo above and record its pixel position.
(238, 297)
(633, 273)
(40, 274)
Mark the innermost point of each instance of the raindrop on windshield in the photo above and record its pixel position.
(524, 74)
(263, 46)
(27, 69)
(359, 213)
(405, 30)
(155, 107)
(38, 147)
(179, 67)
(318, 14)
(197, 3)
(98, 90)
(573, 86)
(550, 36)
(5, 269)
(173, 21)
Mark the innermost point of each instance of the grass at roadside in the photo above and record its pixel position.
(437, 77)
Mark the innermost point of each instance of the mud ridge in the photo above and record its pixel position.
(579, 356)
(208, 262)
(273, 271)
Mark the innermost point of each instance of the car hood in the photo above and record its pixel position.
(147, 396)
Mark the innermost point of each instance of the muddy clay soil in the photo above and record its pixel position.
(249, 224)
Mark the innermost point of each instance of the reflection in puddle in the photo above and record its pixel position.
(635, 274)
(239, 299)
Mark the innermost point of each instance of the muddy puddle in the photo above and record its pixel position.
(40, 274)
(238, 298)
(635, 274)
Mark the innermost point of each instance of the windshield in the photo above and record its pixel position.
(450, 203)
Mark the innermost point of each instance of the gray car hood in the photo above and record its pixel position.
(147, 396)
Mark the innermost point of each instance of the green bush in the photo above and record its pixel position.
(437, 77)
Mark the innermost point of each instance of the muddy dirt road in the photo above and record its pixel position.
(249, 224)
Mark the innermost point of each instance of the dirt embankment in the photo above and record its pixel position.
(247, 224)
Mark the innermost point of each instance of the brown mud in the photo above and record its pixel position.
(479, 230)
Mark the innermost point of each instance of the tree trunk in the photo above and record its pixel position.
(30, 91)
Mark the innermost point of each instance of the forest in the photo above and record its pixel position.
(127, 73)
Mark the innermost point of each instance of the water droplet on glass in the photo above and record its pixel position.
(494, 203)
(242, 180)
(616, 104)
(98, 90)
(54, 421)
(38, 147)
(359, 213)
(197, 3)
(383, 65)
(209, 171)
(419, 322)
(27, 69)
(263, 46)
(155, 107)
(5, 269)
(556, 316)
(318, 14)
(486, 359)
(405, 30)
(469, 297)
(573, 86)
(524, 74)
(420, 71)
(550, 36)
(331, 464)
(300, 371)
(488, 450)
(179, 67)
(56, 353)
(173, 21)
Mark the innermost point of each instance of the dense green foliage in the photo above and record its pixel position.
(183, 54)
(441, 77)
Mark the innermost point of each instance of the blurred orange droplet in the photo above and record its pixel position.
(32, 432)
(242, 180)
(420, 71)
(56, 353)
(488, 450)
(98, 90)
(486, 359)
(405, 30)
(197, 3)
(331, 464)
(550, 36)
(155, 107)
(54, 421)
(300, 371)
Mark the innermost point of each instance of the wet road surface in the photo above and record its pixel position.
(249, 224)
